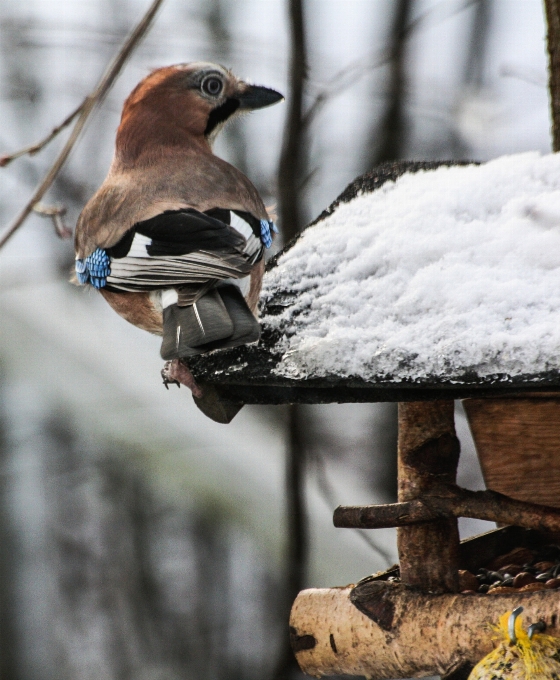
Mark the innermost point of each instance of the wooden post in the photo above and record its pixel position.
(553, 41)
(428, 451)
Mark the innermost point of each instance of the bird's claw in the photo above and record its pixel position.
(176, 372)
(167, 377)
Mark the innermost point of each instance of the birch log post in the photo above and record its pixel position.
(384, 630)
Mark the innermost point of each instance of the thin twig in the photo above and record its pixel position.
(326, 490)
(388, 136)
(349, 75)
(35, 148)
(87, 107)
(56, 214)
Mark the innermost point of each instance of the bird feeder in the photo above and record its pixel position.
(423, 283)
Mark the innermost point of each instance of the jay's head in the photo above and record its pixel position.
(185, 104)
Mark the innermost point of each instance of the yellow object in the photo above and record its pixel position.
(520, 655)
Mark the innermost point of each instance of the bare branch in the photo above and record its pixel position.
(448, 500)
(350, 74)
(55, 213)
(388, 136)
(326, 490)
(35, 148)
(86, 108)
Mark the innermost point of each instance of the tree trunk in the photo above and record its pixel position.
(553, 41)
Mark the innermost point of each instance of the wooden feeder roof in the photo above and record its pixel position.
(439, 284)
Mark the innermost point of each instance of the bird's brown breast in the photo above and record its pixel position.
(137, 309)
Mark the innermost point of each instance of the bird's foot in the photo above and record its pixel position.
(176, 372)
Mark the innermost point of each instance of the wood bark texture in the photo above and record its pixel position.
(553, 41)
(517, 445)
(428, 451)
(451, 501)
(384, 630)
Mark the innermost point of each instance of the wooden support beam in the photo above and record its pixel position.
(450, 501)
(385, 630)
(517, 445)
(428, 451)
(384, 516)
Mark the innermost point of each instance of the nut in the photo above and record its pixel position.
(523, 579)
(544, 566)
(467, 580)
(512, 569)
(501, 589)
(516, 556)
(530, 587)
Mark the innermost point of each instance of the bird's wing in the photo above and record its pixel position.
(180, 181)
(177, 248)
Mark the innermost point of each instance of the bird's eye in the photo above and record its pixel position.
(212, 86)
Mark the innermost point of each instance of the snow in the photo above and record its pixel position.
(440, 274)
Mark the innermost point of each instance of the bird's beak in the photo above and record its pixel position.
(257, 97)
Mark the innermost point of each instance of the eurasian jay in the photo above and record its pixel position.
(174, 238)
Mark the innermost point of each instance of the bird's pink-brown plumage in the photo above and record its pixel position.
(164, 162)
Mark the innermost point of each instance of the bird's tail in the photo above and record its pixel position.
(219, 319)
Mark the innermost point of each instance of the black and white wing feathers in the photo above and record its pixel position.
(185, 248)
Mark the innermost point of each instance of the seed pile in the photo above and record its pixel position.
(521, 570)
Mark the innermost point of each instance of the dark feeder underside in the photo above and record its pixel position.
(256, 382)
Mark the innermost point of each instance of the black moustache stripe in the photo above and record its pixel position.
(221, 114)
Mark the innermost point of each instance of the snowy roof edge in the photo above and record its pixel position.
(247, 374)
(366, 183)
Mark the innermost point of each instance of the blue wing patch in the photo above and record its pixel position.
(94, 268)
(266, 237)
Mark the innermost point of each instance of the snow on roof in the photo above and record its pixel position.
(440, 274)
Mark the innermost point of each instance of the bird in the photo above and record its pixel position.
(520, 654)
(174, 238)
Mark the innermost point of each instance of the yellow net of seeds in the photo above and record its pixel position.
(520, 654)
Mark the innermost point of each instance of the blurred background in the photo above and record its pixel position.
(139, 539)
